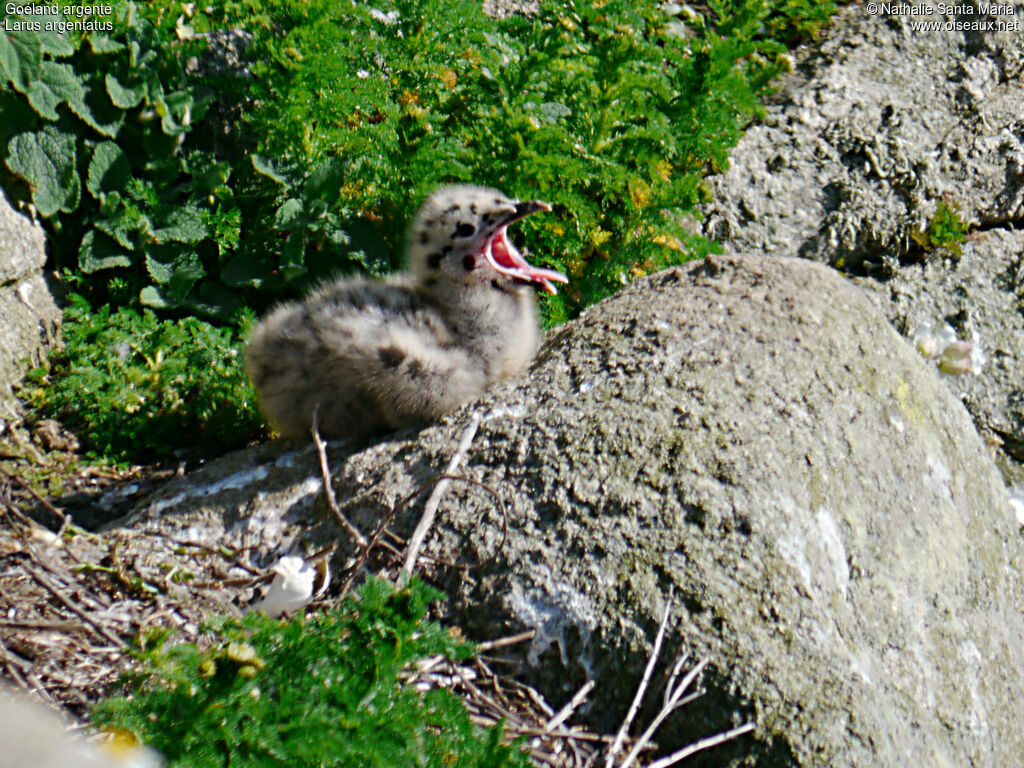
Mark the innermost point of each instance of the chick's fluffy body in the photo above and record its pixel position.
(375, 356)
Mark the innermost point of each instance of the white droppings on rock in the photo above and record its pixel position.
(237, 480)
(550, 616)
(832, 541)
(505, 412)
(1017, 507)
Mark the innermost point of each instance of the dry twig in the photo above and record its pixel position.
(673, 700)
(641, 689)
(65, 521)
(501, 642)
(710, 741)
(568, 709)
(332, 501)
(55, 591)
(430, 510)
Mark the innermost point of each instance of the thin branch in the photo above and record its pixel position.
(375, 539)
(670, 686)
(501, 642)
(430, 510)
(568, 709)
(11, 663)
(53, 590)
(641, 689)
(60, 515)
(710, 741)
(672, 702)
(332, 501)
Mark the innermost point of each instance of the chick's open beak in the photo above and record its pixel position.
(504, 257)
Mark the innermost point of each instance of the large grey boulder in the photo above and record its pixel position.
(29, 318)
(879, 124)
(749, 432)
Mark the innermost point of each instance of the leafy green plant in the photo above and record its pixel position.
(945, 230)
(613, 111)
(319, 691)
(94, 129)
(132, 385)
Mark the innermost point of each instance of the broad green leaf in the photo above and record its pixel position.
(99, 252)
(243, 271)
(56, 83)
(101, 43)
(108, 169)
(125, 97)
(283, 176)
(215, 299)
(98, 112)
(53, 42)
(160, 271)
(20, 57)
(294, 250)
(188, 270)
(185, 225)
(151, 296)
(122, 226)
(46, 161)
(324, 180)
(288, 214)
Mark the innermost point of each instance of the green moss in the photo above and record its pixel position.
(305, 693)
(131, 385)
(945, 230)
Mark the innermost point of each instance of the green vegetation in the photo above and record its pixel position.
(179, 200)
(199, 193)
(321, 691)
(945, 230)
(136, 384)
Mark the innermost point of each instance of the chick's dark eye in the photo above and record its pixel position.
(464, 230)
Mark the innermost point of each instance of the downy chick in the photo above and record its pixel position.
(375, 356)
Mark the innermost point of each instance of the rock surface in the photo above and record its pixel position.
(879, 124)
(29, 319)
(751, 433)
(979, 295)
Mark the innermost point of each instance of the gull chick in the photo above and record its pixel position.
(374, 356)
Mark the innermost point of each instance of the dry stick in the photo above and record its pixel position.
(621, 735)
(430, 510)
(568, 709)
(11, 664)
(53, 590)
(65, 520)
(481, 696)
(501, 642)
(375, 539)
(672, 702)
(332, 501)
(56, 626)
(710, 741)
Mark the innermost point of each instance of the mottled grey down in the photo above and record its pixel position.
(374, 356)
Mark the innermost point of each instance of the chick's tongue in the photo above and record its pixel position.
(504, 257)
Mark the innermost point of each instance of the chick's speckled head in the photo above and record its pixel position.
(460, 235)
